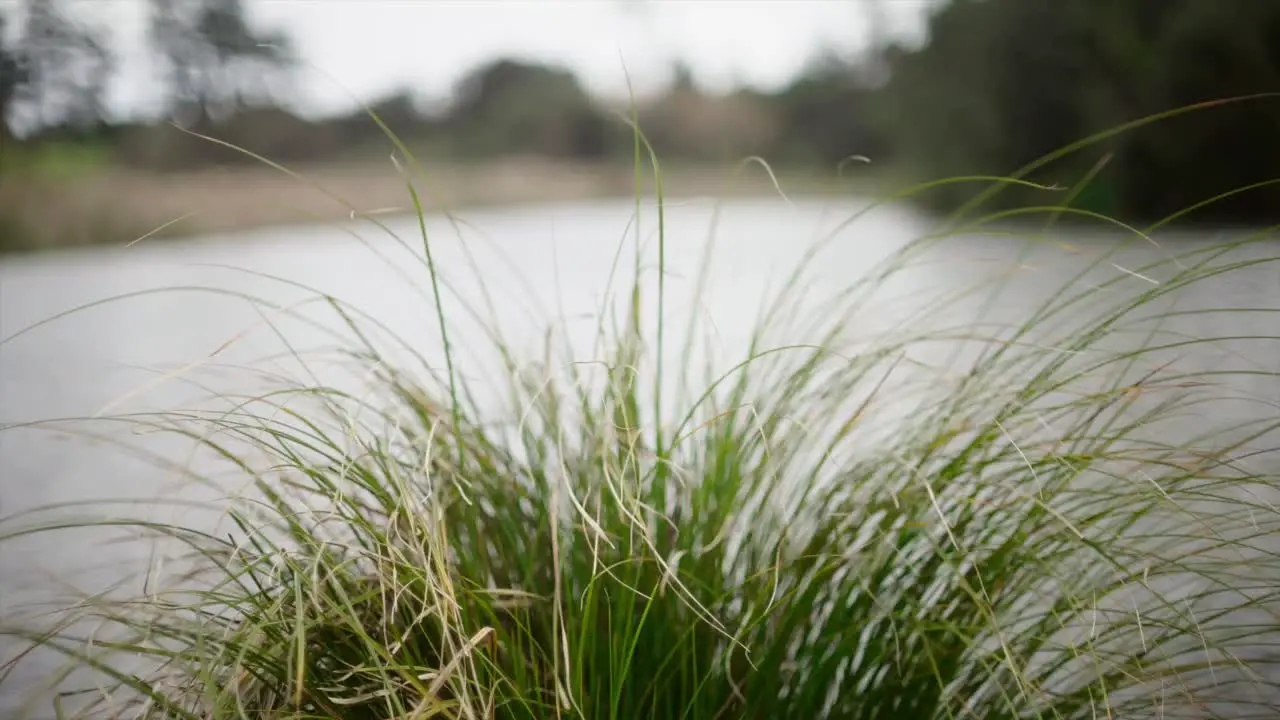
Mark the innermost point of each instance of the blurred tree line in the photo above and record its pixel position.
(996, 84)
(225, 78)
(1001, 83)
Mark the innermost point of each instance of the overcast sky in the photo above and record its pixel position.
(369, 47)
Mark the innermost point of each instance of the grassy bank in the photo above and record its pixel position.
(100, 204)
(758, 543)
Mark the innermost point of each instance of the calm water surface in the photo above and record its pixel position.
(227, 302)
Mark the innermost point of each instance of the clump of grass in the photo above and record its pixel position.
(1023, 544)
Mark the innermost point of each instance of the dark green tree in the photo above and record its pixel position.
(511, 106)
(67, 65)
(1003, 82)
(827, 115)
(13, 75)
(216, 63)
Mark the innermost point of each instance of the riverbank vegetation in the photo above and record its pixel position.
(996, 84)
(111, 205)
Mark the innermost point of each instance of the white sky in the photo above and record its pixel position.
(370, 47)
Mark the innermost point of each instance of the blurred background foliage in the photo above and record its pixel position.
(995, 85)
